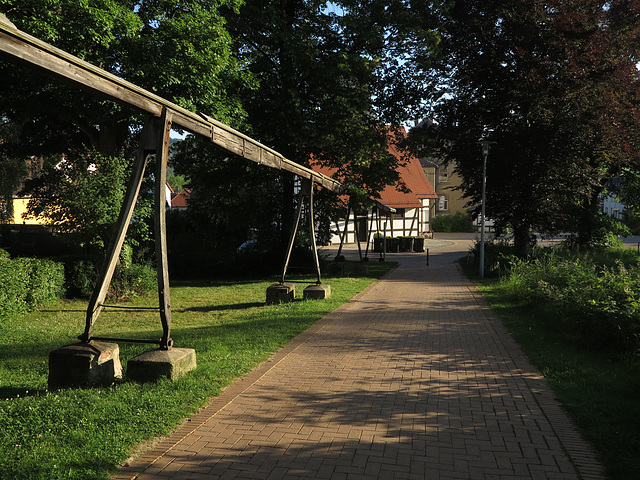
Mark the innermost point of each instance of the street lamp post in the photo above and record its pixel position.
(485, 144)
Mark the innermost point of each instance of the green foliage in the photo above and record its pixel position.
(129, 280)
(605, 233)
(133, 281)
(13, 171)
(46, 282)
(497, 255)
(234, 201)
(27, 283)
(176, 182)
(458, 222)
(181, 52)
(598, 389)
(600, 303)
(82, 194)
(556, 88)
(330, 76)
(632, 220)
(14, 282)
(81, 273)
(630, 190)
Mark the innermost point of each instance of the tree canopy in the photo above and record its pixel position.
(309, 78)
(179, 50)
(555, 84)
(330, 76)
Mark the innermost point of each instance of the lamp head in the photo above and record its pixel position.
(485, 144)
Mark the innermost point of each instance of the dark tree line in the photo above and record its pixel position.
(556, 85)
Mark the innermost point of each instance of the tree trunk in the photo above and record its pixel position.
(522, 239)
(587, 224)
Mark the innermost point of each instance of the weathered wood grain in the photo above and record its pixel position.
(22, 47)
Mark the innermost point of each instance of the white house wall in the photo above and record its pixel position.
(395, 226)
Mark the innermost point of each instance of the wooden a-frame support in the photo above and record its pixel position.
(154, 139)
(162, 114)
(305, 193)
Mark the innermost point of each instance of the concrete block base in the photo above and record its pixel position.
(317, 292)
(154, 364)
(84, 364)
(280, 293)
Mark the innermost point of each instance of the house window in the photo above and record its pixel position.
(443, 174)
(443, 203)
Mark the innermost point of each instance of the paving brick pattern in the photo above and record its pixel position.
(413, 379)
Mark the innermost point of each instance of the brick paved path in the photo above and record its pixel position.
(413, 379)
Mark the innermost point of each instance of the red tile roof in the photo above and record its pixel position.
(181, 199)
(411, 173)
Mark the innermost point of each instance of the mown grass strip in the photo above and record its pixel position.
(84, 433)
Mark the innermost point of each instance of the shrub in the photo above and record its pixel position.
(632, 220)
(14, 284)
(46, 282)
(27, 283)
(134, 281)
(459, 222)
(129, 279)
(497, 256)
(600, 305)
(81, 274)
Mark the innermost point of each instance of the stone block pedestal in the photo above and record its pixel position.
(280, 293)
(84, 364)
(154, 364)
(317, 292)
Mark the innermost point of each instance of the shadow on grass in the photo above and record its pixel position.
(217, 308)
(62, 310)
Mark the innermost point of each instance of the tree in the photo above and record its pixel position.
(13, 171)
(81, 193)
(331, 74)
(179, 50)
(555, 85)
(629, 191)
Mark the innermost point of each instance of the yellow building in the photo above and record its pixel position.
(20, 207)
(445, 182)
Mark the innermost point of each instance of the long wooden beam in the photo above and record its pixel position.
(25, 48)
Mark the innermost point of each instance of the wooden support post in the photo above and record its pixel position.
(147, 145)
(155, 138)
(344, 233)
(413, 222)
(294, 230)
(160, 223)
(312, 232)
(366, 250)
(356, 232)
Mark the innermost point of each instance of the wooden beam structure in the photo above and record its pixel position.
(161, 115)
(24, 48)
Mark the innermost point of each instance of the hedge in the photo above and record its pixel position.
(27, 283)
(458, 222)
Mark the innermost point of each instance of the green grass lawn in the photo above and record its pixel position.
(84, 433)
(601, 391)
